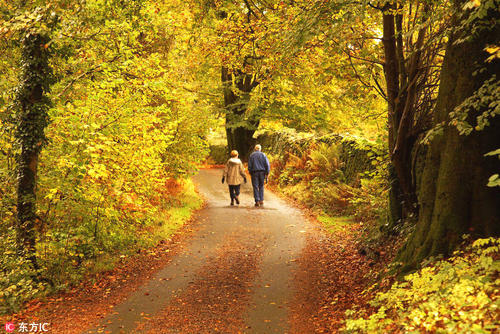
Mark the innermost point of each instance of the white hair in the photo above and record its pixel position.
(258, 147)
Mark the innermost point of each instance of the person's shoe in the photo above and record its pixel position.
(256, 203)
(261, 203)
(232, 201)
(237, 200)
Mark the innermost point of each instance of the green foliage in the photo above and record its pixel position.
(325, 160)
(486, 100)
(474, 19)
(333, 224)
(458, 295)
(494, 180)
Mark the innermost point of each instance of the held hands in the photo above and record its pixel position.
(266, 180)
(223, 178)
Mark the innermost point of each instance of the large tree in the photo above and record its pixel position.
(445, 191)
(241, 75)
(410, 56)
(241, 39)
(454, 197)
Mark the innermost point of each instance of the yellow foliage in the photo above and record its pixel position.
(458, 295)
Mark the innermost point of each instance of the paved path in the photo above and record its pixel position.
(233, 275)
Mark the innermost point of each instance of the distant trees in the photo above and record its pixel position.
(240, 126)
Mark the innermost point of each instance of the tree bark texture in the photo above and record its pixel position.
(392, 84)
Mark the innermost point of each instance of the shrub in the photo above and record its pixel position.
(314, 175)
(218, 154)
(323, 161)
(457, 295)
(18, 278)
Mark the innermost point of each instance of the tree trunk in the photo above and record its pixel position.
(31, 107)
(392, 83)
(240, 127)
(241, 140)
(453, 196)
(402, 82)
(404, 141)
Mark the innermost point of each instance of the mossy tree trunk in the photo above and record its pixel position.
(240, 126)
(453, 196)
(31, 105)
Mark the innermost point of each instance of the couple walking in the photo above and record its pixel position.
(234, 173)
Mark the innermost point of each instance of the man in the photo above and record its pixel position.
(258, 166)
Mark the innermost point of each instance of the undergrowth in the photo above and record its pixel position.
(457, 295)
(315, 177)
(67, 253)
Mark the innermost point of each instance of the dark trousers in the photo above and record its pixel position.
(234, 191)
(258, 185)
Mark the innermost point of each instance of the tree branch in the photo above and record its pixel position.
(74, 80)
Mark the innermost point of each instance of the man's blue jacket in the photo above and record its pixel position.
(258, 162)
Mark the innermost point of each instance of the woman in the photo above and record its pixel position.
(234, 173)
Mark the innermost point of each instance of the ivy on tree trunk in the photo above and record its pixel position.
(31, 106)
